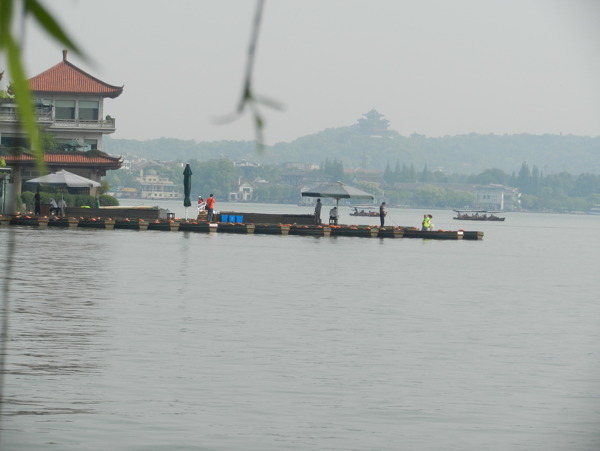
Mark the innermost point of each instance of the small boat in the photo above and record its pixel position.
(372, 212)
(477, 215)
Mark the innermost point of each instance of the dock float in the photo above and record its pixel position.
(309, 230)
(199, 226)
(435, 234)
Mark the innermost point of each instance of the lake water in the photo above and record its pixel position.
(128, 340)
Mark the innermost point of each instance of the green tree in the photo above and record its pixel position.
(388, 176)
(586, 185)
(122, 178)
(439, 177)
(215, 176)
(530, 202)
(429, 196)
(370, 187)
(275, 193)
(491, 176)
(49, 142)
(334, 170)
(535, 182)
(524, 179)
(425, 175)
(408, 174)
(397, 172)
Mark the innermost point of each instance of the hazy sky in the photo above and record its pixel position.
(433, 67)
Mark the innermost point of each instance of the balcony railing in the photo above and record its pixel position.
(12, 116)
(103, 124)
(45, 117)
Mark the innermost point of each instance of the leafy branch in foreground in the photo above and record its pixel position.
(249, 98)
(10, 45)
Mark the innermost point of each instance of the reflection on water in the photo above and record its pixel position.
(168, 340)
(56, 329)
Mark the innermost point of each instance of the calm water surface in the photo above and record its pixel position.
(129, 340)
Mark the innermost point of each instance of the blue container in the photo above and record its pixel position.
(224, 218)
(239, 219)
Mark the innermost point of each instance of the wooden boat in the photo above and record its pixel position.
(374, 213)
(477, 215)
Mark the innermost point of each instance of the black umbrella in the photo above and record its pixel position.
(187, 187)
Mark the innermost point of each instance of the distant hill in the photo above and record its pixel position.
(464, 154)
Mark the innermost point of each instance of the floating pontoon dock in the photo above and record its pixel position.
(232, 225)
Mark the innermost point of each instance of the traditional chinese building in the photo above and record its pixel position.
(373, 124)
(69, 104)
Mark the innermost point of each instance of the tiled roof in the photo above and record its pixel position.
(65, 159)
(68, 78)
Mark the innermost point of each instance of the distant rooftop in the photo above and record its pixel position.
(65, 159)
(68, 78)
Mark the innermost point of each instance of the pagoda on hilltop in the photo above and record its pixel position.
(69, 104)
(373, 124)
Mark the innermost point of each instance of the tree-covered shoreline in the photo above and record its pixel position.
(552, 172)
(462, 154)
(554, 192)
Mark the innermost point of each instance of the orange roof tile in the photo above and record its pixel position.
(68, 78)
(64, 159)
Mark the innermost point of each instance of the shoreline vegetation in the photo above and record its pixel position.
(551, 172)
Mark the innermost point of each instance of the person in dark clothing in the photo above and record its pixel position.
(37, 203)
(382, 214)
(318, 212)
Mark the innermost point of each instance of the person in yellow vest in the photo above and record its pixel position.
(426, 224)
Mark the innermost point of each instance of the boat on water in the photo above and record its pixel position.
(595, 210)
(365, 211)
(477, 215)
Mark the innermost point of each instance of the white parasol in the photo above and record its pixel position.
(65, 178)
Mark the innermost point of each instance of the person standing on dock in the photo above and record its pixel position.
(201, 204)
(426, 224)
(318, 212)
(210, 207)
(62, 207)
(37, 208)
(382, 214)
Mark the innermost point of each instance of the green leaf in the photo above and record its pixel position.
(5, 20)
(24, 101)
(48, 23)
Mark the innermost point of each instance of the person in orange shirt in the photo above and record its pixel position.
(210, 206)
